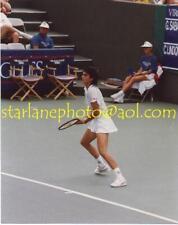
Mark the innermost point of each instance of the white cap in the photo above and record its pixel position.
(44, 25)
(146, 44)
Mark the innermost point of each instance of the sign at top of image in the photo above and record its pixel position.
(170, 45)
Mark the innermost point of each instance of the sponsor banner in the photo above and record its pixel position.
(170, 45)
(38, 58)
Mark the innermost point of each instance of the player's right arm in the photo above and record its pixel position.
(95, 112)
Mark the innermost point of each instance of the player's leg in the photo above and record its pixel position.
(86, 140)
(102, 142)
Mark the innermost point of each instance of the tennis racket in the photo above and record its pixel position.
(68, 124)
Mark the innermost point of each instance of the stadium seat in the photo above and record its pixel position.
(62, 82)
(3, 46)
(144, 88)
(16, 46)
(25, 83)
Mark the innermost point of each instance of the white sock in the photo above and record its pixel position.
(100, 161)
(121, 92)
(117, 172)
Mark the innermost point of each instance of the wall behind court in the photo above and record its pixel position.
(111, 32)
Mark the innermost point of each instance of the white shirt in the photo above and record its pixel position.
(93, 94)
(103, 123)
(4, 20)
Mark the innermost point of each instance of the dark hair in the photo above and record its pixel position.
(93, 72)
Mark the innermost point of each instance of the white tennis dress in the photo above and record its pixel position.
(102, 124)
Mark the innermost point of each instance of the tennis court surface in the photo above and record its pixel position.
(47, 177)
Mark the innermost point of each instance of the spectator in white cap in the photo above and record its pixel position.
(147, 71)
(42, 40)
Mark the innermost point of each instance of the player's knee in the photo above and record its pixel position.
(83, 143)
(15, 35)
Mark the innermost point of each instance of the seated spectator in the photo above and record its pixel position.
(7, 31)
(147, 71)
(42, 40)
(172, 2)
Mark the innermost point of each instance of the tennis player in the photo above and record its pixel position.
(99, 128)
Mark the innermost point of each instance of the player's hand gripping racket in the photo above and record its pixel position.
(68, 124)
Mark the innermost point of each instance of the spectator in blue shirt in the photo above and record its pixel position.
(148, 62)
(147, 71)
(42, 40)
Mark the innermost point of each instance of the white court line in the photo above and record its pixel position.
(92, 197)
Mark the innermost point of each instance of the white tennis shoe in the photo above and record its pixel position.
(117, 95)
(119, 99)
(102, 169)
(120, 181)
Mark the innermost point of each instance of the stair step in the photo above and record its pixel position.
(51, 34)
(32, 19)
(36, 22)
(21, 3)
(26, 14)
(82, 62)
(26, 10)
(79, 58)
(64, 46)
